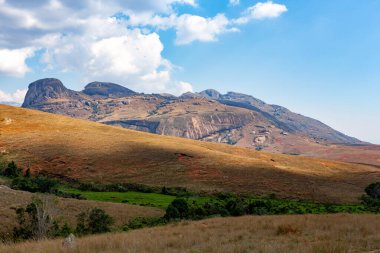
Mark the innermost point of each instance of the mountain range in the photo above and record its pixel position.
(231, 118)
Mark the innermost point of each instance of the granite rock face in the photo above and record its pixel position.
(232, 118)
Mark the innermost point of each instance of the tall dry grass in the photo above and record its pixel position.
(299, 234)
(90, 151)
(67, 209)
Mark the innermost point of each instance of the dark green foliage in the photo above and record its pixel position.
(373, 190)
(142, 222)
(12, 171)
(232, 205)
(93, 222)
(178, 209)
(28, 174)
(34, 184)
(35, 221)
(372, 199)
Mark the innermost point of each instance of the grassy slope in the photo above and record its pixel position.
(94, 152)
(134, 198)
(67, 209)
(308, 233)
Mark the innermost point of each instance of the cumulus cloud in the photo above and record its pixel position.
(16, 97)
(81, 36)
(261, 11)
(191, 28)
(12, 62)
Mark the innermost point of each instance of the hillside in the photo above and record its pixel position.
(270, 234)
(232, 118)
(67, 209)
(87, 151)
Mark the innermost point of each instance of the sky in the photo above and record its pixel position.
(319, 58)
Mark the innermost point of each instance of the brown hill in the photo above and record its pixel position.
(233, 118)
(90, 151)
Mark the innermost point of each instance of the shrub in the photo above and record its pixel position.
(178, 209)
(373, 190)
(34, 184)
(11, 170)
(372, 199)
(142, 222)
(93, 222)
(35, 221)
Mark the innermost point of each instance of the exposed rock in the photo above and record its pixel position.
(232, 118)
(69, 242)
(210, 93)
(104, 89)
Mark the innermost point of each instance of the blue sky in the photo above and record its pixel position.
(320, 58)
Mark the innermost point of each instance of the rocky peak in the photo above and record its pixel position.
(104, 89)
(190, 95)
(44, 89)
(211, 93)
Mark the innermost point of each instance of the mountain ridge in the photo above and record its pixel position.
(232, 118)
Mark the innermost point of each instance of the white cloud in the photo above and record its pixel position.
(261, 11)
(234, 2)
(16, 97)
(184, 87)
(80, 36)
(188, 27)
(191, 28)
(12, 62)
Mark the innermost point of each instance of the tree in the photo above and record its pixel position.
(28, 174)
(12, 170)
(372, 199)
(37, 219)
(178, 209)
(93, 222)
(373, 190)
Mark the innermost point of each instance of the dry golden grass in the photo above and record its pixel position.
(314, 233)
(67, 209)
(94, 152)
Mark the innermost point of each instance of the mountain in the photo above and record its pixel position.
(232, 118)
(70, 148)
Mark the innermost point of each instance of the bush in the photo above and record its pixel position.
(35, 220)
(34, 184)
(93, 222)
(373, 190)
(372, 199)
(178, 209)
(11, 170)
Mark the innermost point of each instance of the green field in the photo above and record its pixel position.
(131, 197)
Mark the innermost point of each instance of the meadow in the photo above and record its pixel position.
(334, 233)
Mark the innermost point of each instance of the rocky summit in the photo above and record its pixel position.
(231, 118)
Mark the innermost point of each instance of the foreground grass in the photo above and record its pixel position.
(299, 233)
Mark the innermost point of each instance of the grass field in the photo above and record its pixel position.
(67, 209)
(341, 233)
(133, 198)
(92, 152)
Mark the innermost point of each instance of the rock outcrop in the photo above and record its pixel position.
(231, 118)
(103, 89)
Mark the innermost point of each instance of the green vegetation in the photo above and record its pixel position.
(232, 205)
(95, 221)
(372, 199)
(130, 197)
